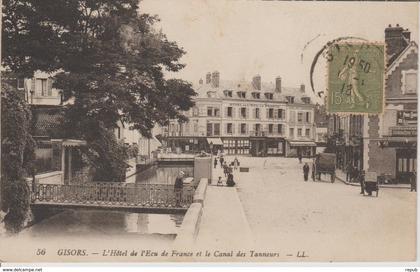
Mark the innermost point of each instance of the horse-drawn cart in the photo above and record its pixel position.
(325, 164)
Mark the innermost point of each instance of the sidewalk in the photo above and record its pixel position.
(342, 177)
(223, 224)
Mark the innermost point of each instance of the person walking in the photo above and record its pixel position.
(235, 163)
(349, 171)
(178, 186)
(225, 169)
(313, 171)
(362, 182)
(305, 171)
(215, 162)
(413, 181)
(221, 161)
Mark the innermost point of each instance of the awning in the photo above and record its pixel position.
(302, 143)
(69, 142)
(214, 141)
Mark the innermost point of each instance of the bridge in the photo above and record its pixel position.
(131, 197)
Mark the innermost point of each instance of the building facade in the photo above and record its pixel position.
(256, 118)
(387, 143)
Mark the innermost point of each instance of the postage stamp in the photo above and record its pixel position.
(356, 78)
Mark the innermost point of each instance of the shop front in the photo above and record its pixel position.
(305, 148)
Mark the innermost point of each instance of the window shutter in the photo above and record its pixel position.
(246, 128)
(266, 113)
(49, 86)
(233, 112)
(233, 128)
(226, 112)
(33, 85)
(275, 114)
(246, 112)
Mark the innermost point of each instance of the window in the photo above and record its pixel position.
(290, 99)
(243, 128)
(269, 96)
(306, 100)
(291, 133)
(243, 112)
(257, 113)
(257, 127)
(41, 87)
(229, 128)
(20, 83)
(229, 112)
(195, 111)
(256, 95)
(280, 113)
(299, 131)
(217, 112)
(409, 82)
(216, 129)
(209, 129)
(270, 113)
(241, 94)
(209, 111)
(280, 129)
(270, 128)
(307, 132)
(195, 127)
(228, 93)
(300, 117)
(308, 117)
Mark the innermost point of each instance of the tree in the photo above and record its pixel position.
(17, 156)
(109, 58)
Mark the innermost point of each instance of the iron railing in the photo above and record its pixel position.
(113, 194)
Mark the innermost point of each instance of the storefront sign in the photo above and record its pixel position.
(403, 131)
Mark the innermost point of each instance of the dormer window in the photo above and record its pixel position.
(290, 99)
(211, 94)
(306, 100)
(256, 95)
(241, 94)
(228, 93)
(269, 96)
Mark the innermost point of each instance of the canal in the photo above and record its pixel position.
(72, 222)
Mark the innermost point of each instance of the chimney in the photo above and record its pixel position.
(200, 81)
(302, 88)
(215, 79)
(278, 84)
(208, 78)
(256, 82)
(395, 40)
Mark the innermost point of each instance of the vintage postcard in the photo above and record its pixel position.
(208, 131)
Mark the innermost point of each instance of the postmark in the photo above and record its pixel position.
(355, 78)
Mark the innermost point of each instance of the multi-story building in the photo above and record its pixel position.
(387, 143)
(242, 117)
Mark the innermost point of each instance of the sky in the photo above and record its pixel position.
(242, 38)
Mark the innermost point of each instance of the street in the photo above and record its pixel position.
(329, 221)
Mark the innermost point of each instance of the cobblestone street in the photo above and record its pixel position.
(329, 221)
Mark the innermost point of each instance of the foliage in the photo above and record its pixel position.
(17, 156)
(110, 63)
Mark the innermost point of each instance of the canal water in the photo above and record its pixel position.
(103, 222)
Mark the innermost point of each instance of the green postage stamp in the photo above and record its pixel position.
(356, 78)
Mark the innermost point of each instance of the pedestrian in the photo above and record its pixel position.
(313, 171)
(349, 171)
(413, 181)
(178, 186)
(221, 161)
(225, 169)
(215, 162)
(230, 182)
(235, 163)
(305, 171)
(362, 182)
(300, 157)
(219, 182)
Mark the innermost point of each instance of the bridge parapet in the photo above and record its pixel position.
(109, 194)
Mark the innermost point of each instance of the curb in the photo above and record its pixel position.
(380, 185)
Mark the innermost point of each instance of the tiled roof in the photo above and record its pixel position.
(247, 87)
